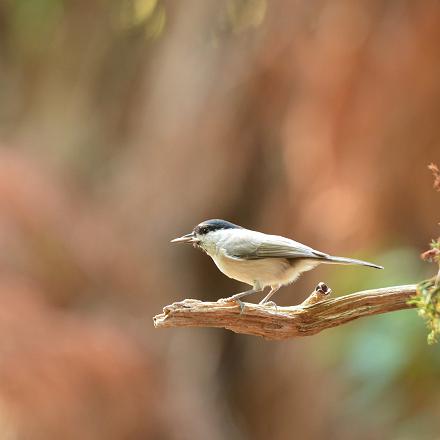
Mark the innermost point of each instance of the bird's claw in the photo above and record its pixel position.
(270, 304)
(241, 305)
(232, 299)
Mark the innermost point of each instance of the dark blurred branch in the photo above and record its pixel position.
(273, 322)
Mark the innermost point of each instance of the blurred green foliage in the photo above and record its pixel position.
(245, 14)
(33, 24)
(428, 298)
(148, 14)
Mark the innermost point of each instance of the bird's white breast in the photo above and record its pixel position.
(262, 272)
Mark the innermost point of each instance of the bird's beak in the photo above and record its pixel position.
(188, 238)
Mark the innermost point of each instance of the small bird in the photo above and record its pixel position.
(257, 259)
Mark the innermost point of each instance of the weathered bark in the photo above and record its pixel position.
(274, 322)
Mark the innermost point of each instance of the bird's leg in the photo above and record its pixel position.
(242, 294)
(268, 296)
(237, 297)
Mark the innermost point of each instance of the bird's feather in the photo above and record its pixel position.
(269, 246)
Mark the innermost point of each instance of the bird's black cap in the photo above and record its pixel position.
(214, 225)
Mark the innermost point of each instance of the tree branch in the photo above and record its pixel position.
(315, 314)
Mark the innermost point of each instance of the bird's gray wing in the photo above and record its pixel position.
(270, 246)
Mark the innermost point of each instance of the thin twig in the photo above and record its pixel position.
(275, 322)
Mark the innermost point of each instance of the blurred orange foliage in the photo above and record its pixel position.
(124, 124)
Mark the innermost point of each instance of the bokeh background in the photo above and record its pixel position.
(125, 123)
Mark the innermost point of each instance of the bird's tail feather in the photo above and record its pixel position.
(342, 260)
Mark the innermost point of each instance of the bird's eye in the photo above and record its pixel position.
(202, 230)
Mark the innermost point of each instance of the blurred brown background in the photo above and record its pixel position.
(125, 123)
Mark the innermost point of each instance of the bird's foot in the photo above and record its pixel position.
(241, 305)
(269, 304)
(233, 299)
